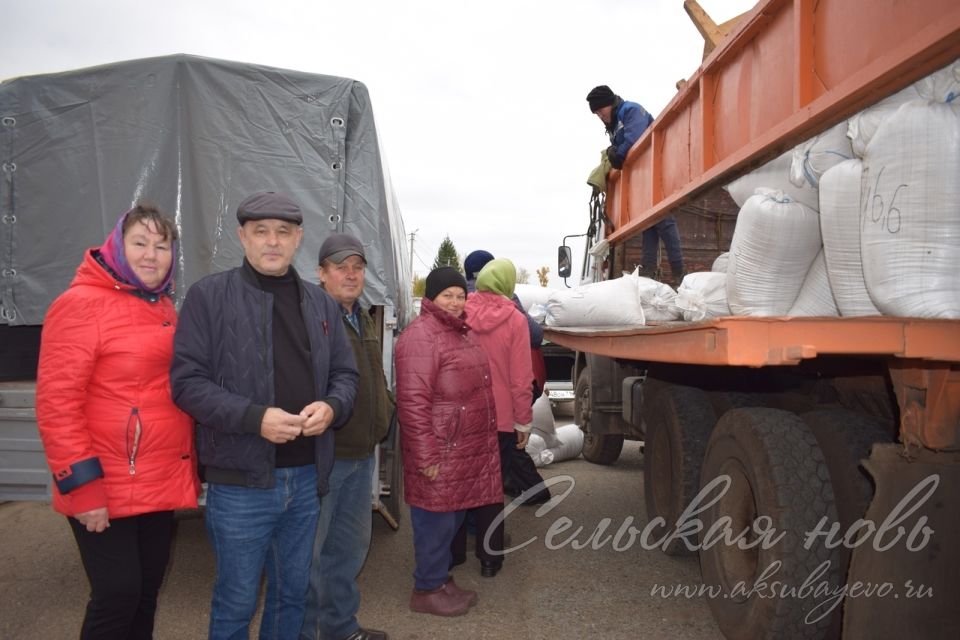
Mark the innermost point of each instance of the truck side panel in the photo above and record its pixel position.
(790, 70)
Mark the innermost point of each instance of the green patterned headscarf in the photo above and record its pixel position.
(498, 276)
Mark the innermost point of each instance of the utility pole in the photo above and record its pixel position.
(412, 234)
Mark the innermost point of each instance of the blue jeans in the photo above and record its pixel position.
(433, 532)
(343, 538)
(252, 530)
(667, 231)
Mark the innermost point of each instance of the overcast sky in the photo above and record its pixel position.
(480, 106)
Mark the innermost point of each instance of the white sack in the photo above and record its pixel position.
(703, 295)
(657, 299)
(720, 264)
(814, 157)
(538, 312)
(910, 237)
(531, 295)
(611, 302)
(537, 450)
(815, 297)
(863, 126)
(774, 244)
(840, 228)
(940, 86)
(775, 175)
(543, 421)
(571, 438)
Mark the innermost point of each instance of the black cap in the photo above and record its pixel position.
(339, 247)
(599, 97)
(269, 205)
(443, 278)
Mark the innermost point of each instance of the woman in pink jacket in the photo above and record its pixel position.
(448, 436)
(501, 329)
(121, 452)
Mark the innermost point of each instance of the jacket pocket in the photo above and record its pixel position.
(454, 425)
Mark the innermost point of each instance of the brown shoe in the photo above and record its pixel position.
(453, 589)
(438, 602)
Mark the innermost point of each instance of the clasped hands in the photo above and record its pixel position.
(279, 427)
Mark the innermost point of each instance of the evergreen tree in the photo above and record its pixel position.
(447, 256)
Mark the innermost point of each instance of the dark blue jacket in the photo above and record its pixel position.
(222, 373)
(629, 122)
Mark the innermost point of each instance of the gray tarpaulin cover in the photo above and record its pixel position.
(193, 136)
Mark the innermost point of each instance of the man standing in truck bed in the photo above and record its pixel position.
(625, 123)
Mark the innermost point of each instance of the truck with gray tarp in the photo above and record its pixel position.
(193, 136)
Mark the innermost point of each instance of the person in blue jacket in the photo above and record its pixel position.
(625, 122)
(263, 363)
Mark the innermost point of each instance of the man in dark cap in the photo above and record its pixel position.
(264, 365)
(625, 122)
(343, 534)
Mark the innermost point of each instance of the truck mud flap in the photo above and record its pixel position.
(903, 579)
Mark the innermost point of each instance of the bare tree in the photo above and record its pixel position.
(542, 275)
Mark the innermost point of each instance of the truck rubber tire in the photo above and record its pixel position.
(776, 471)
(723, 401)
(597, 448)
(845, 437)
(678, 423)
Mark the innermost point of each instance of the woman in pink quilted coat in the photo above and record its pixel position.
(448, 432)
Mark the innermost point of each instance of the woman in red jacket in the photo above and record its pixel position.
(121, 452)
(448, 434)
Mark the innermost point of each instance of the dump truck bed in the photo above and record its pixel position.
(758, 342)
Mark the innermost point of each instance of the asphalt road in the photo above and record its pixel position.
(547, 589)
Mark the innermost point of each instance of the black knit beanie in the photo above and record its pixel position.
(599, 97)
(443, 278)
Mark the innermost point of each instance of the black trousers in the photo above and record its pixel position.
(125, 566)
(484, 517)
(516, 465)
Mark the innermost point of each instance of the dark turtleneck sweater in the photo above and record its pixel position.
(292, 374)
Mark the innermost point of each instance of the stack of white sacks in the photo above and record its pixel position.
(548, 442)
(862, 220)
(629, 300)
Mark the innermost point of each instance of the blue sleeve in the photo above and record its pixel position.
(191, 372)
(536, 331)
(635, 121)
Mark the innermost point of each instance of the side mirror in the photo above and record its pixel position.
(564, 261)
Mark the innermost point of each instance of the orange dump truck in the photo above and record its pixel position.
(813, 463)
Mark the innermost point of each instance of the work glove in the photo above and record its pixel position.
(615, 161)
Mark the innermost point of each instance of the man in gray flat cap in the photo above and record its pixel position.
(264, 365)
